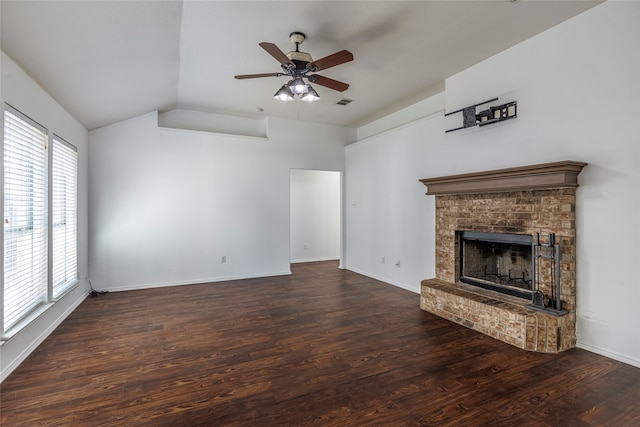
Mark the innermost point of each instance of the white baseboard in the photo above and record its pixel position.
(297, 261)
(192, 282)
(385, 280)
(610, 354)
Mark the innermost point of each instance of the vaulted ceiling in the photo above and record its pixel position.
(105, 61)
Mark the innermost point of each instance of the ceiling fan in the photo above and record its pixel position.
(299, 66)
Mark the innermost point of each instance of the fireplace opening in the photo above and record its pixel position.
(497, 261)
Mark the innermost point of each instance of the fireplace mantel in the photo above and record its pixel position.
(533, 177)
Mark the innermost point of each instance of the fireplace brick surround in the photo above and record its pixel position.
(526, 200)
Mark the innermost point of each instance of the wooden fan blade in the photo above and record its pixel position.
(327, 82)
(275, 51)
(331, 60)
(255, 76)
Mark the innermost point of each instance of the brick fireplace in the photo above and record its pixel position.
(534, 204)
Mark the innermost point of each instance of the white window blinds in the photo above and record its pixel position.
(40, 220)
(25, 216)
(64, 166)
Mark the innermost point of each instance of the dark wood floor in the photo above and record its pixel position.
(321, 347)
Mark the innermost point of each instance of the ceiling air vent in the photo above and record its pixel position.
(344, 101)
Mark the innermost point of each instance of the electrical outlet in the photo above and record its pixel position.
(306, 246)
(398, 264)
(223, 259)
(383, 260)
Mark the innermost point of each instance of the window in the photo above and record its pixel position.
(40, 250)
(63, 211)
(25, 217)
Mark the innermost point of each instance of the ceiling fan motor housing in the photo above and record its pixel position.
(301, 59)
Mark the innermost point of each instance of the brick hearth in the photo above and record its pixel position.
(530, 200)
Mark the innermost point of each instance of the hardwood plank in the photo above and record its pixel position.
(320, 347)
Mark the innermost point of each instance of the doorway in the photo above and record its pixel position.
(315, 215)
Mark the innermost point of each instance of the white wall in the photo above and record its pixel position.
(388, 215)
(19, 90)
(578, 92)
(419, 110)
(315, 215)
(167, 205)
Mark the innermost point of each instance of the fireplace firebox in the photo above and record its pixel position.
(500, 262)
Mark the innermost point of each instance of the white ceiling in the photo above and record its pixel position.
(106, 61)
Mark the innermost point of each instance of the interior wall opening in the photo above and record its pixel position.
(315, 215)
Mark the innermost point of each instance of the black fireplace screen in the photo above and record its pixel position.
(496, 261)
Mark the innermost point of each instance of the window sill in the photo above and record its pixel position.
(30, 318)
(35, 314)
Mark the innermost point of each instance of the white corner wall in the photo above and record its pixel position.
(390, 223)
(167, 205)
(315, 215)
(20, 91)
(578, 91)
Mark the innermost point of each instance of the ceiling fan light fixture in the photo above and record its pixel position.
(298, 66)
(311, 95)
(284, 94)
(298, 86)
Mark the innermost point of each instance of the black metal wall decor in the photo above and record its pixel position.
(491, 115)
